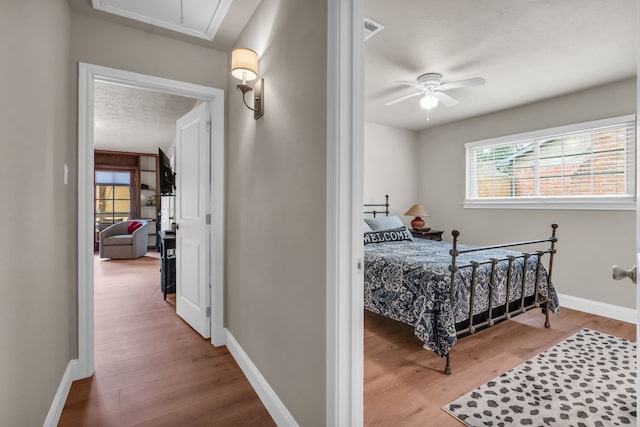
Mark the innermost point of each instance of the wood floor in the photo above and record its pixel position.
(404, 384)
(151, 368)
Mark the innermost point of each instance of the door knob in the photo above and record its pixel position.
(619, 273)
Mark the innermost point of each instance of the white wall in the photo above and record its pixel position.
(391, 167)
(590, 242)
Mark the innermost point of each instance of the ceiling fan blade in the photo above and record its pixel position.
(409, 83)
(445, 99)
(402, 99)
(462, 83)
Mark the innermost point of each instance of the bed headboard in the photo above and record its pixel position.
(374, 212)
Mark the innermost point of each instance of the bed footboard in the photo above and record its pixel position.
(511, 308)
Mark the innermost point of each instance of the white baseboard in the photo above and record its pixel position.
(70, 374)
(611, 311)
(269, 398)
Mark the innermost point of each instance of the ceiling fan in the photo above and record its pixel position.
(430, 85)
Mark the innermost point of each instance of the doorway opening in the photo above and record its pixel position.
(88, 76)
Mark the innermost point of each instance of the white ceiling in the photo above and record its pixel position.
(198, 18)
(196, 14)
(526, 50)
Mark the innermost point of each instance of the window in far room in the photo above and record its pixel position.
(113, 198)
(588, 165)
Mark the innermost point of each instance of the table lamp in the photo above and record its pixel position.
(417, 211)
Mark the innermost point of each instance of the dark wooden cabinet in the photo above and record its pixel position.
(167, 263)
(429, 235)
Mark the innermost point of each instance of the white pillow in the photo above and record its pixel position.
(384, 223)
(365, 227)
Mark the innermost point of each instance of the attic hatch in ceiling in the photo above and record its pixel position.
(371, 28)
(197, 18)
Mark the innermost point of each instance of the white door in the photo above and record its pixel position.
(192, 212)
(620, 273)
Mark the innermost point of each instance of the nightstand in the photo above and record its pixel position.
(429, 235)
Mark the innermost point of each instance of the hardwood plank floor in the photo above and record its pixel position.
(151, 369)
(404, 384)
(154, 370)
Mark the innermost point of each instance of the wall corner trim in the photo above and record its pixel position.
(55, 410)
(267, 395)
(611, 311)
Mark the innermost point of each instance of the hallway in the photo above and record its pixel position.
(151, 369)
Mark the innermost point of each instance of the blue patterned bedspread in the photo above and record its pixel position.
(409, 281)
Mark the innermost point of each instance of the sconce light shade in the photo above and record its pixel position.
(244, 64)
(429, 101)
(244, 67)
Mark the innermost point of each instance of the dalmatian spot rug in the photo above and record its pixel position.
(589, 379)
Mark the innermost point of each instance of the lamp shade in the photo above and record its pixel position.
(244, 63)
(416, 210)
(429, 101)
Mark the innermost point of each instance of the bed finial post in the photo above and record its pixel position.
(552, 251)
(454, 253)
(386, 204)
(452, 267)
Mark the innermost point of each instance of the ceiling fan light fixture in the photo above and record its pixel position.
(429, 101)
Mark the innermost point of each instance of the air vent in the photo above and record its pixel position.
(371, 27)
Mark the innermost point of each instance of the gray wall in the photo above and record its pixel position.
(37, 255)
(100, 42)
(590, 242)
(276, 203)
(391, 167)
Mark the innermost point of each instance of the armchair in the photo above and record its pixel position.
(117, 243)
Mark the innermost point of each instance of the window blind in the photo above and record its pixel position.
(593, 159)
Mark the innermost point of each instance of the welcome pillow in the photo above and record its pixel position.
(394, 235)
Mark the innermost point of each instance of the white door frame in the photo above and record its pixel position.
(344, 256)
(637, 259)
(88, 74)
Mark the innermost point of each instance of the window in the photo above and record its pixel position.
(584, 166)
(113, 197)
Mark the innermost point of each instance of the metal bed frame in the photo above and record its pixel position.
(523, 306)
(378, 205)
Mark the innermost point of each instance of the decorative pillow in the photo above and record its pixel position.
(384, 223)
(133, 226)
(395, 235)
(365, 227)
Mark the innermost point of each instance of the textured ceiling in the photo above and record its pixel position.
(135, 120)
(526, 50)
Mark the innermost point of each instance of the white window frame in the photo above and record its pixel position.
(619, 202)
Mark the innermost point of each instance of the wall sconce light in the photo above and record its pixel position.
(244, 66)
